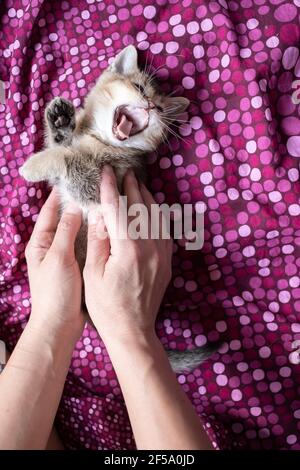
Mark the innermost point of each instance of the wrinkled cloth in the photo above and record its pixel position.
(236, 158)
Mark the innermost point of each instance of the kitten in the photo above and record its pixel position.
(123, 118)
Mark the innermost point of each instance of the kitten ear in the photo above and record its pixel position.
(126, 62)
(177, 104)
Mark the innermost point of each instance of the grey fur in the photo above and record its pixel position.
(184, 361)
(76, 153)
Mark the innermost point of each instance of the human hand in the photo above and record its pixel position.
(54, 275)
(124, 279)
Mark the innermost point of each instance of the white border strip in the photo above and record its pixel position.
(2, 92)
(2, 352)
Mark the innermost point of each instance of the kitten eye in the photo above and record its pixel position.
(140, 88)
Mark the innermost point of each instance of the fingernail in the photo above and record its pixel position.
(131, 174)
(93, 216)
(54, 193)
(73, 208)
(108, 170)
(101, 229)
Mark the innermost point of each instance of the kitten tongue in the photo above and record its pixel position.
(130, 120)
(124, 127)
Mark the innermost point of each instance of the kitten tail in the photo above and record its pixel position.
(184, 361)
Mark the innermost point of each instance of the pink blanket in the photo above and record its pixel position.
(237, 62)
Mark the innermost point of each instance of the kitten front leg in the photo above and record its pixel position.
(60, 120)
(47, 165)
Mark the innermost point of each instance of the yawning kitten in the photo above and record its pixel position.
(123, 118)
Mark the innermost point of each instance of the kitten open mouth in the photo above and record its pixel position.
(129, 121)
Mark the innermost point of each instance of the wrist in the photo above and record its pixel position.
(133, 342)
(43, 351)
(138, 357)
(53, 330)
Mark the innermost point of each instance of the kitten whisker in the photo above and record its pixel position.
(166, 140)
(172, 119)
(154, 72)
(172, 108)
(175, 134)
(173, 124)
(146, 68)
(174, 115)
(151, 63)
(173, 92)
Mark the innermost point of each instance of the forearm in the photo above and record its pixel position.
(161, 415)
(31, 386)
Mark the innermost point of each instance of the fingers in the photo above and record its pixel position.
(136, 208)
(98, 245)
(109, 189)
(147, 196)
(117, 226)
(67, 230)
(131, 189)
(113, 211)
(158, 219)
(44, 229)
(109, 199)
(48, 216)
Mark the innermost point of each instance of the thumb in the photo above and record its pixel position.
(98, 244)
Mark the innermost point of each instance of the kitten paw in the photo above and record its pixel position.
(60, 114)
(34, 168)
(29, 174)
